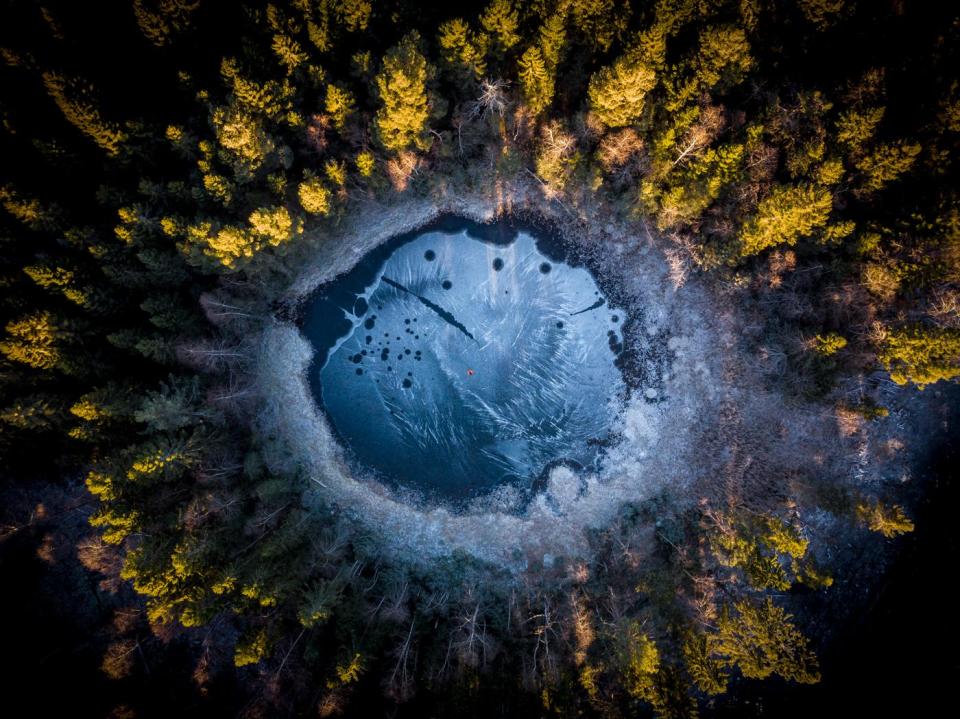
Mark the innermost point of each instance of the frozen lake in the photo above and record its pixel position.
(464, 357)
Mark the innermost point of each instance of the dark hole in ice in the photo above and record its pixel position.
(514, 376)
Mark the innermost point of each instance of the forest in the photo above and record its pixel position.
(768, 186)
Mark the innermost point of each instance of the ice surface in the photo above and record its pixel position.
(465, 364)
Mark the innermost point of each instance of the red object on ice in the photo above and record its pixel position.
(470, 373)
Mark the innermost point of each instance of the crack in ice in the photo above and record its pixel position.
(599, 303)
(447, 317)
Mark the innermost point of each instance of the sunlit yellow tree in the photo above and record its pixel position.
(401, 121)
(921, 355)
(789, 213)
(536, 80)
(617, 93)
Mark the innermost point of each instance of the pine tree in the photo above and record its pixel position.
(462, 54)
(178, 404)
(101, 408)
(401, 122)
(271, 100)
(65, 282)
(365, 162)
(35, 412)
(501, 22)
(722, 61)
(75, 102)
(552, 39)
(888, 520)
(38, 340)
(536, 80)
(617, 93)
(275, 225)
(29, 210)
(245, 143)
(168, 313)
(761, 640)
(161, 20)
(699, 185)
(829, 344)
(724, 57)
(707, 671)
(289, 52)
(921, 355)
(336, 172)
(251, 649)
(231, 246)
(314, 197)
(789, 213)
(339, 105)
(822, 13)
(641, 663)
(115, 526)
(318, 18)
(886, 163)
(556, 157)
(599, 22)
(353, 15)
(855, 128)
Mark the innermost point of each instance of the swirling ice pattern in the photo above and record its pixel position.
(468, 365)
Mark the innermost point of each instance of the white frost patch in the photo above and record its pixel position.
(563, 487)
